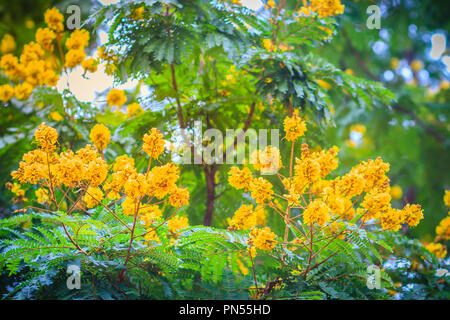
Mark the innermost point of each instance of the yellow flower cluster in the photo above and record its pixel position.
(323, 8)
(263, 239)
(240, 179)
(438, 249)
(178, 197)
(316, 212)
(42, 195)
(246, 218)
(443, 229)
(90, 65)
(86, 173)
(50, 169)
(46, 137)
(18, 192)
(116, 98)
(269, 46)
(138, 13)
(268, 161)
(100, 136)
(110, 58)
(261, 190)
(93, 196)
(294, 127)
(75, 45)
(54, 19)
(177, 223)
(8, 44)
(134, 109)
(360, 195)
(447, 198)
(153, 143)
(38, 64)
(442, 233)
(45, 37)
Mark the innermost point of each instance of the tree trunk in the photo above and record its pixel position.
(210, 173)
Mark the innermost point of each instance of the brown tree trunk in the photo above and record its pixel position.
(210, 173)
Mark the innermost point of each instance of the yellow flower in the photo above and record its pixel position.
(51, 78)
(46, 137)
(138, 14)
(92, 197)
(268, 161)
(240, 179)
(116, 97)
(177, 223)
(395, 62)
(17, 190)
(412, 214)
(129, 206)
(123, 163)
(8, 44)
(161, 180)
(396, 192)
(100, 136)
(35, 72)
(243, 219)
(89, 65)
(179, 197)
(271, 3)
(269, 46)
(29, 23)
(74, 58)
(316, 212)
(294, 127)
(149, 214)
(54, 19)
(134, 109)
(439, 250)
(242, 267)
(42, 195)
(153, 143)
(417, 65)
(23, 91)
(326, 8)
(6, 92)
(376, 203)
(324, 84)
(45, 37)
(78, 40)
(69, 170)
(263, 239)
(32, 51)
(307, 170)
(443, 229)
(391, 219)
(447, 198)
(358, 128)
(56, 116)
(261, 190)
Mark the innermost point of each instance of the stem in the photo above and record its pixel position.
(210, 172)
